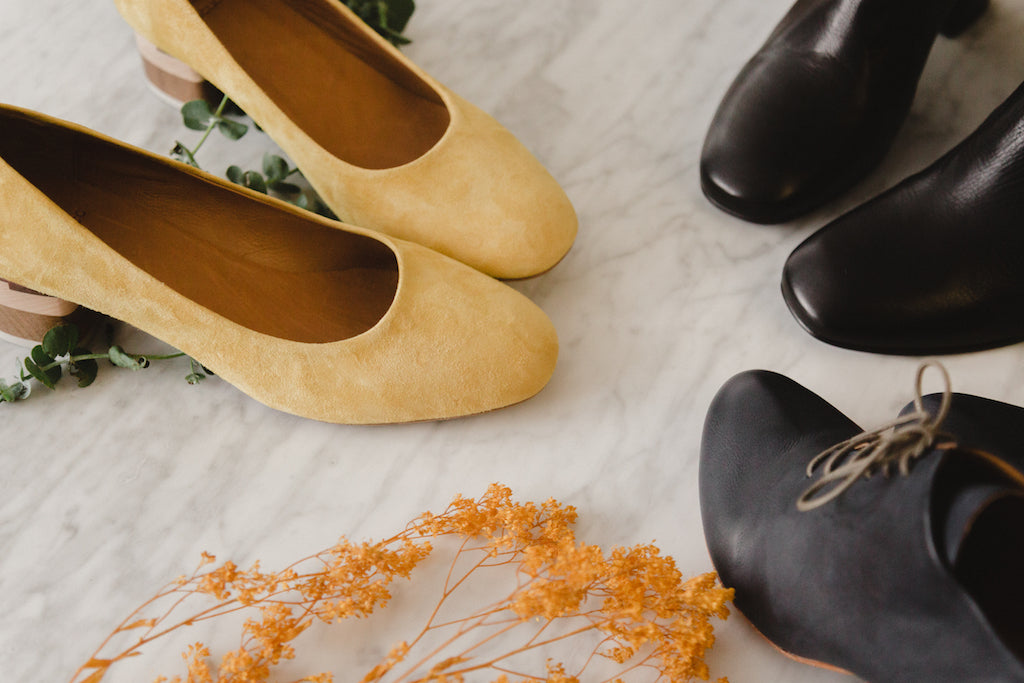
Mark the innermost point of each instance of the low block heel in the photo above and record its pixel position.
(26, 315)
(173, 80)
(963, 14)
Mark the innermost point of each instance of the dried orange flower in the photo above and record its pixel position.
(639, 613)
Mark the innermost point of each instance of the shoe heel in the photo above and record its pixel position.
(171, 79)
(963, 14)
(26, 315)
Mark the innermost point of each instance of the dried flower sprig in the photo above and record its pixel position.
(640, 615)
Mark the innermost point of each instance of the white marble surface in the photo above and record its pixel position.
(107, 492)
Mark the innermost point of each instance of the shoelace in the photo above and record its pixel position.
(898, 442)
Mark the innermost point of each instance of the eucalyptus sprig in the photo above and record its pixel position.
(387, 17)
(197, 115)
(59, 355)
(274, 181)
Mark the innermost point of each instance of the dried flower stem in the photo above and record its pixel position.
(644, 617)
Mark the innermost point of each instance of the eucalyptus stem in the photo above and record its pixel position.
(60, 348)
(214, 120)
(106, 356)
(75, 359)
(168, 356)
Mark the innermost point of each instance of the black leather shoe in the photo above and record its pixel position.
(911, 577)
(819, 104)
(935, 264)
(988, 425)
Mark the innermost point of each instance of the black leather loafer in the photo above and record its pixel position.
(819, 104)
(935, 264)
(911, 577)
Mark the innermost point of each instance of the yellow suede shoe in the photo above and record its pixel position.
(304, 314)
(385, 145)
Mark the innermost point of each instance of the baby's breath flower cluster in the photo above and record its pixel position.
(639, 613)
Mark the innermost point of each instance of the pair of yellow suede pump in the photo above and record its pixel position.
(307, 315)
(385, 145)
(370, 324)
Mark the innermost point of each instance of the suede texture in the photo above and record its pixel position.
(477, 195)
(453, 342)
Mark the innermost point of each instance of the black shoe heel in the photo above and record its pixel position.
(963, 14)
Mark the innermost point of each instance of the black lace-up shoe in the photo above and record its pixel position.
(988, 425)
(913, 576)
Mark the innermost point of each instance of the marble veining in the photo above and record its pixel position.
(108, 492)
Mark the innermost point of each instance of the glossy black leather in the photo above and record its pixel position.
(819, 104)
(935, 264)
(864, 582)
(986, 424)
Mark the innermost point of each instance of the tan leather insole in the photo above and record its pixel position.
(359, 104)
(254, 264)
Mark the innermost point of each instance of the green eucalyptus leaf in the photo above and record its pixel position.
(73, 336)
(233, 130)
(274, 167)
(397, 39)
(301, 201)
(40, 356)
(386, 17)
(122, 359)
(281, 187)
(235, 174)
(397, 15)
(55, 342)
(362, 8)
(194, 378)
(45, 377)
(85, 370)
(59, 340)
(196, 114)
(254, 181)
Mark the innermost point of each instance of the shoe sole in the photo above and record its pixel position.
(801, 660)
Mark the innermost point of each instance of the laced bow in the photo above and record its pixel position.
(898, 442)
